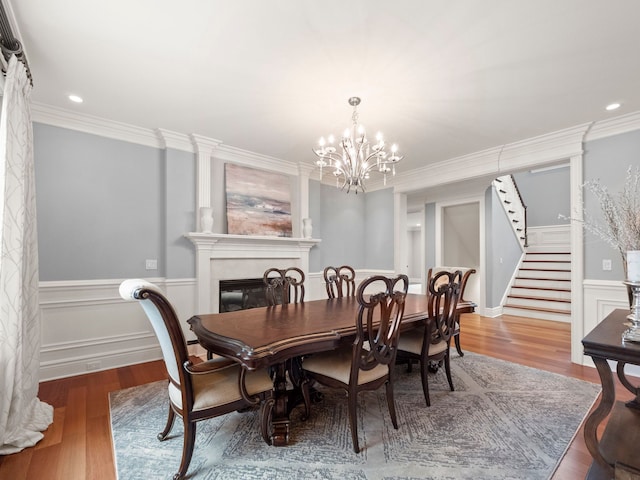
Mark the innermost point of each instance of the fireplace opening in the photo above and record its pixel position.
(242, 294)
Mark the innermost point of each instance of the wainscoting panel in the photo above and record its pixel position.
(87, 326)
(601, 297)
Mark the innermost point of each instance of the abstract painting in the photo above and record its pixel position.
(258, 202)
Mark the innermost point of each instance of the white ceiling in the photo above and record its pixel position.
(442, 78)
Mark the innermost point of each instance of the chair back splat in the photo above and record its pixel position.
(443, 302)
(202, 390)
(368, 363)
(284, 286)
(430, 342)
(466, 273)
(340, 281)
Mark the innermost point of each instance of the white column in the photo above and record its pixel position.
(304, 172)
(204, 148)
(577, 260)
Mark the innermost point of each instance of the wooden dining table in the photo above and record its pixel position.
(273, 336)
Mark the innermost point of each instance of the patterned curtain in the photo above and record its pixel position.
(22, 415)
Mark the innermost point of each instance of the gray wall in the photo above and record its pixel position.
(356, 230)
(461, 229)
(503, 250)
(180, 181)
(105, 206)
(546, 195)
(315, 209)
(99, 205)
(378, 241)
(607, 159)
(430, 235)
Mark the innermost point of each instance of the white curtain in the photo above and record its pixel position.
(22, 415)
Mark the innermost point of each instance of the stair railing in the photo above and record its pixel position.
(513, 205)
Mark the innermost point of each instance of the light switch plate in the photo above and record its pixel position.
(151, 264)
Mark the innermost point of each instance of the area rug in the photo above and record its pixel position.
(503, 422)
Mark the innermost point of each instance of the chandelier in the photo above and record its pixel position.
(358, 157)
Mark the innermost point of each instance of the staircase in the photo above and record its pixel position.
(542, 286)
(513, 205)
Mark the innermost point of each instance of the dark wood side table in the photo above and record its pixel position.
(617, 453)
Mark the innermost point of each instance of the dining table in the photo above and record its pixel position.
(273, 337)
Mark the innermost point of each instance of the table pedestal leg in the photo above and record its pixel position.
(599, 414)
(280, 422)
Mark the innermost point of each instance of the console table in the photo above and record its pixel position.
(617, 453)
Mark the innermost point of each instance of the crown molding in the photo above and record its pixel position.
(227, 153)
(543, 149)
(536, 151)
(465, 167)
(60, 117)
(174, 140)
(614, 126)
(204, 145)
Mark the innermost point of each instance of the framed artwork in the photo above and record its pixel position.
(258, 202)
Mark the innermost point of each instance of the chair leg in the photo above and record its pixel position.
(167, 428)
(391, 404)
(306, 396)
(187, 449)
(456, 337)
(424, 371)
(447, 369)
(353, 420)
(266, 410)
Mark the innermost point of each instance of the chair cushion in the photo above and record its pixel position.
(337, 364)
(221, 387)
(411, 341)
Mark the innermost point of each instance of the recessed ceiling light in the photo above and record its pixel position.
(75, 98)
(613, 106)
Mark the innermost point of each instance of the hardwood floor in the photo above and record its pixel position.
(78, 443)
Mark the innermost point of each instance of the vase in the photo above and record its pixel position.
(633, 289)
(632, 270)
(206, 219)
(307, 227)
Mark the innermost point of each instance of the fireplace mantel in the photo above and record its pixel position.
(227, 257)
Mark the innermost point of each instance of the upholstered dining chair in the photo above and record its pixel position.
(203, 390)
(340, 281)
(369, 362)
(431, 341)
(466, 273)
(284, 286)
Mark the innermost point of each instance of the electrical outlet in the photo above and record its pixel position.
(606, 264)
(151, 264)
(95, 365)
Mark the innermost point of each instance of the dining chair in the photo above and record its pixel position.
(466, 273)
(202, 390)
(431, 341)
(284, 286)
(368, 363)
(340, 281)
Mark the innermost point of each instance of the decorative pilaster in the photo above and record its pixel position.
(204, 148)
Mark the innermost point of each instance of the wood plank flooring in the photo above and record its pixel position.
(78, 443)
